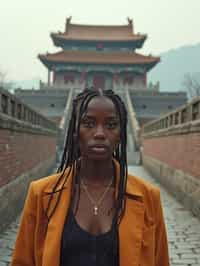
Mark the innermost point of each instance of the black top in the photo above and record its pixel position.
(81, 248)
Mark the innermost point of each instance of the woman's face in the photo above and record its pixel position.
(99, 129)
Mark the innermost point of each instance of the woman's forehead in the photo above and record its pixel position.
(101, 104)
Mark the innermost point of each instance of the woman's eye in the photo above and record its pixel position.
(88, 123)
(112, 124)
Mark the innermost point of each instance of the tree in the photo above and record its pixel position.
(2, 78)
(7, 85)
(191, 84)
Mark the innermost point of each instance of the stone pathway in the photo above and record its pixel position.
(7, 240)
(183, 230)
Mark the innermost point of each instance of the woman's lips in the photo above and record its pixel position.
(99, 149)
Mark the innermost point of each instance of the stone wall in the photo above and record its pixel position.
(27, 152)
(12, 195)
(171, 152)
(184, 186)
(22, 151)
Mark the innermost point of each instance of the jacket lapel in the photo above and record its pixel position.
(130, 229)
(52, 245)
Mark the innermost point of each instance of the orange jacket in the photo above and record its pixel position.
(142, 234)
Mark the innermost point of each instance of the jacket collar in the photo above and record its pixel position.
(131, 189)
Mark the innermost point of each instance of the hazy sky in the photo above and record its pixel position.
(25, 26)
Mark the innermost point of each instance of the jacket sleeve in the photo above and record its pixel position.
(23, 254)
(161, 250)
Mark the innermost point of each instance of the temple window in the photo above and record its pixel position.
(19, 111)
(52, 105)
(99, 46)
(128, 80)
(4, 104)
(12, 108)
(69, 77)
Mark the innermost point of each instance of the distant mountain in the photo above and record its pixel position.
(174, 65)
(27, 84)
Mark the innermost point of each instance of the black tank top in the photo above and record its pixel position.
(81, 248)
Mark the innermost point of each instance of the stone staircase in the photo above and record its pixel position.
(133, 154)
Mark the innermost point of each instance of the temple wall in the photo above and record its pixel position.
(59, 79)
(138, 81)
(82, 47)
(60, 82)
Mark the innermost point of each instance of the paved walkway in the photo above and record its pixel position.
(182, 228)
(183, 231)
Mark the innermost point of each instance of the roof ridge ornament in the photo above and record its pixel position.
(130, 23)
(68, 21)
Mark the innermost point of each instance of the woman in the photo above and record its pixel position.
(92, 212)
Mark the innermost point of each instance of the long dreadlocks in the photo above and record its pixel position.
(71, 152)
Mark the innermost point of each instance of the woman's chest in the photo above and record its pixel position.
(93, 214)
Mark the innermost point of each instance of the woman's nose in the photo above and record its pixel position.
(99, 132)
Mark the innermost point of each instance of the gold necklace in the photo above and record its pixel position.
(97, 203)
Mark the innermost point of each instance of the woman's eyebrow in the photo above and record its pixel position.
(88, 116)
(114, 117)
(110, 117)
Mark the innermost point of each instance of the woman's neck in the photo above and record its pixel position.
(96, 172)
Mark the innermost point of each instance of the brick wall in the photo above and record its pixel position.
(27, 152)
(172, 155)
(178, 151)
(22, 151)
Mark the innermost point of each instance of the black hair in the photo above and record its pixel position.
(71, 154)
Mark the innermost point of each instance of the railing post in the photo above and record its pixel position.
(0, 102)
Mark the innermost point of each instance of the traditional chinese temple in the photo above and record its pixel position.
(103, 57)
(98, 56)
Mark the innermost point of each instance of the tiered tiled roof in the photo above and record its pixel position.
(99, 58)
(116, 33)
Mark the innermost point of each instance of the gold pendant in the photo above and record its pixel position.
(95, 210)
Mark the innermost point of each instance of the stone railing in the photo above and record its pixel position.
(133, 120)
(184, 116)
(64, 122)
(12, 107)
(47, 91)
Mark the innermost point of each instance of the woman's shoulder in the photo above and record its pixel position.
(141, 186)
(148, 194)
(46, 184)
(43, 183)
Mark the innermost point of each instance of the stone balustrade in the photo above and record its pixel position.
(182, 116)
(12, 107)
(133, 120)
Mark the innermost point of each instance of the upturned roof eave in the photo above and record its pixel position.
(58, 38)
(49, 63)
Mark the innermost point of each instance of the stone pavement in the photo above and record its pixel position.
(183, 230)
